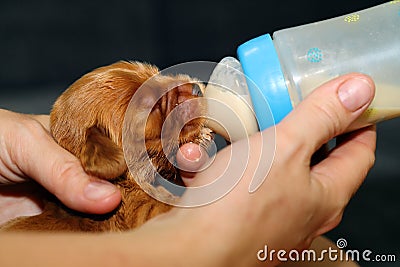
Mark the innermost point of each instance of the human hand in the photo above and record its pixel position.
(27, 151)
(297, 201)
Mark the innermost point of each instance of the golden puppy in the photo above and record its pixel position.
(87, 120)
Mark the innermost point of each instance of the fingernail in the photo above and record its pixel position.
(192, 153)
(98, 190)
(355, 93)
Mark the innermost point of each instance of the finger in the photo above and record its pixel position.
(190, 158)
(20, 200)
(346, 167)
(39, 157)
(328, 111)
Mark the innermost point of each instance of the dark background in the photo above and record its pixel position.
(47, 44)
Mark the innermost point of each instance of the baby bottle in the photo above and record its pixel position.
(281, 71)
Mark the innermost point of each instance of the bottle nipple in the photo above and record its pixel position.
(230, 112)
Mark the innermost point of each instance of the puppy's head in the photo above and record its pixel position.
(88, 119)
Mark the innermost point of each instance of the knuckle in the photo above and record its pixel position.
(19, 136)
(372, 159)
(329, 115)
(66, 169)
(34, 128)
(289, 143)
(329, 208)
(32, 125)
(63, 172)
(368, 152)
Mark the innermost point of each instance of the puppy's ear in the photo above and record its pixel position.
(101, 157)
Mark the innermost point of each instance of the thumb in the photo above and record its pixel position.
(329, 110)
(39, 157)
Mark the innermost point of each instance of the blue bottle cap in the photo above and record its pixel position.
(265, 80)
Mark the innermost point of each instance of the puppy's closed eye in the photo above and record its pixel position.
(196, 90)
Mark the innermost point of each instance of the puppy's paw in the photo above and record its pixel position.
(101, 157)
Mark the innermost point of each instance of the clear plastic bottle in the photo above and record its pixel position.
(284, 69)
